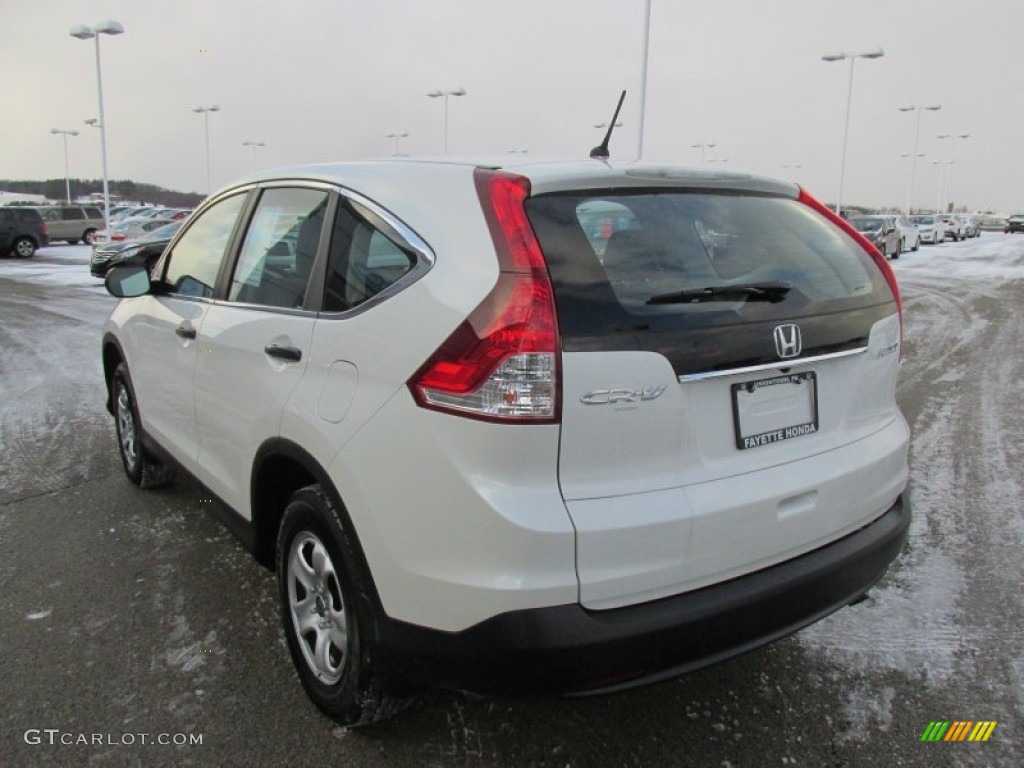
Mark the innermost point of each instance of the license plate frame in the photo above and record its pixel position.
(798, 420)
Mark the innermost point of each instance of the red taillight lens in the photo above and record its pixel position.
(501, 364)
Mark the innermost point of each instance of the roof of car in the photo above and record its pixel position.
(545, 174)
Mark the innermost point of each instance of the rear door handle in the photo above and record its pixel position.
(291, 354)
(185, 332)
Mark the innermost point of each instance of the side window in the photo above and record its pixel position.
(193, 265)
(364, 258)
(49, 214)
(72, 214)
(277, 255)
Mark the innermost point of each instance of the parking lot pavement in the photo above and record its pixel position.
(127, 612)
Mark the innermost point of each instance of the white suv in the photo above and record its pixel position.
(565, 427)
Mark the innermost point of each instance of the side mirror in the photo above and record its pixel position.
(127, 282)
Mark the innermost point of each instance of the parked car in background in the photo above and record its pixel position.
(22, 232)
(931, 227)
(954, 227)
(410, 389)
(880, 231)
(128, 212)
(143, 251)
(128, 229)
(71, 223)
(910, 235)
(1015, 223)
(971, 224)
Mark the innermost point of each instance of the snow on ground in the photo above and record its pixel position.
(950, 605)
(66, 265)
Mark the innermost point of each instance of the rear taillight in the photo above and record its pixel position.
(877, 256)
(46, 231)
(501, 364)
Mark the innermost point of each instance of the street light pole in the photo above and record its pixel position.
(949, 172)
(876, 53)
(205, 112)
(445, 95)
(82, 32)
(396, 135)
(915, 155)
(703, 147)
(643, 76)
(67, 175)
(252, 145)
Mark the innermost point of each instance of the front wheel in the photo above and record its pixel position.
(327, 614)
(139, 466)
(87, 236)
(24, 248)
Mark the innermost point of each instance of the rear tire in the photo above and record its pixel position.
(329, 619)
(141, 468)
(24, 248)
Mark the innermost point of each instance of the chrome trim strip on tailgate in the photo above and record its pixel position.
(770, 366)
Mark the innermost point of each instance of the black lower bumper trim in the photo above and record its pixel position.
(568, 649)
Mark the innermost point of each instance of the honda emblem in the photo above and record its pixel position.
(787, 340)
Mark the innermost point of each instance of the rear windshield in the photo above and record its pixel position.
(867, 224)
(663, 260)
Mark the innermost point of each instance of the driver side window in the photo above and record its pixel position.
(193, 266)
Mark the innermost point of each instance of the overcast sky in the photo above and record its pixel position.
(321, 80)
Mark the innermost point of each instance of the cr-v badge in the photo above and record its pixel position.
(611, 396)
(787, 340)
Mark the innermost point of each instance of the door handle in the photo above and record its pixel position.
(185, 332)
(291, 354)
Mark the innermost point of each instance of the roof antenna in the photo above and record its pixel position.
(601, 150)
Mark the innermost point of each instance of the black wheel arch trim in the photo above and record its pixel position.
(265, 522)
(111, 341)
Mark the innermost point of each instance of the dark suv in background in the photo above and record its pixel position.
(22, 231)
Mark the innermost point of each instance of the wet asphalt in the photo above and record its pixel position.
(131, 617)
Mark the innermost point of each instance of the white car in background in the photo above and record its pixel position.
(955, 229)
(930, 227)
(910, 235)
(539, 426)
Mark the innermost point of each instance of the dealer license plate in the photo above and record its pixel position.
(771, 410)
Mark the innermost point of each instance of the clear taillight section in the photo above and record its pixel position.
(501, 364)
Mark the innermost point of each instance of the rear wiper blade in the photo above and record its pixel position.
(771, 292)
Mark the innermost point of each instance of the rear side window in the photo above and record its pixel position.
(664, 260)
(366, 257)
(279, 248)
(72, 214)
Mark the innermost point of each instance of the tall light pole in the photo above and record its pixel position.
(82, 32)
(396, 135)
(445, 95)
(938, 183)
(251, 145)
(67, 176)
(914, 155)
(703, 147)
(949, 171)
(643, 76)
(205, 112)
(875, 53)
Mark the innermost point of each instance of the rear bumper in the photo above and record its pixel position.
(568, 649)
